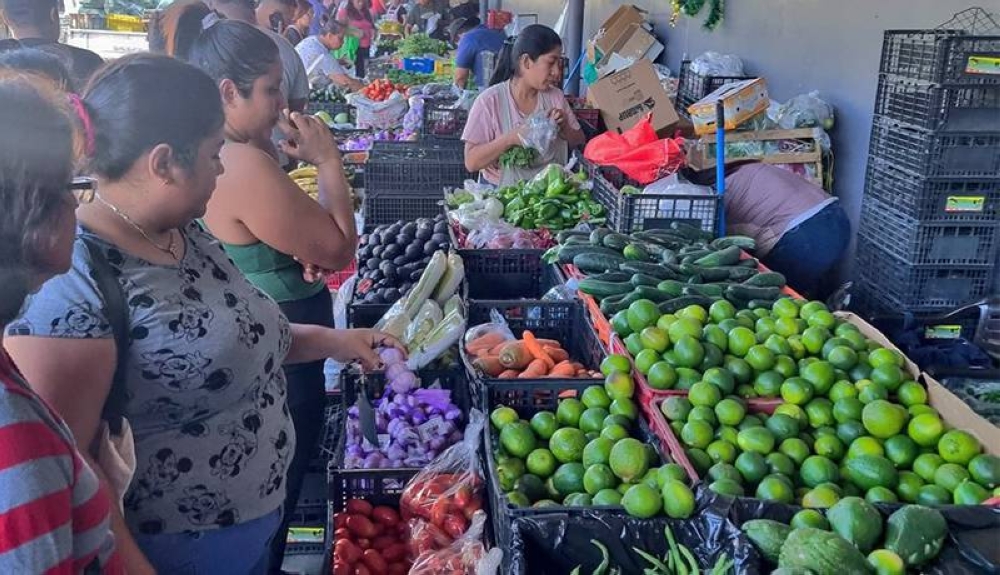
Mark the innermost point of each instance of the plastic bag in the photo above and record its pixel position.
(637, 152)
(805, 111)
(460, 557)
(490, 334)
(448, 492)
(716, 64)
(379, 115)
(542, 131)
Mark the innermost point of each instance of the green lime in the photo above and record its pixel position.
(723, 470)
(881, 356)
(721, 379)
(595, 396)
(819, 410)
(786, 366)
(676, 408)
(785, 308)
(628, 459)
(765, 328)
(821, 375)
(598, 477)
(578, 500)
(684, 327)
(715, 335)
(615, 362)
(925, 429)
(916, 410)
(617, 419)
(926, 466)
(730, 412)
(567, 444)
(933, 496)
(879, 494)
(597, 451)
(699, 459)
(911, 393)
(795, 412)
(909, 486)
(808, 309)
(950, 475)
(850, 430)
(814, 337)
(626, 407)
(704, 393)
(517, 499)
(746, 392)
(781, 464)
(607, 497)
(703, 413)
(810, 518)
(687, 377)
(869, 391)
(817, 469)
(671, 471)
(541, 462)
(728, 325)
(822, 319)
(797, 391)
(752, 466)
(901, 451)
(848, 409)
(796, 449)
(726, 487)
(778, 346)
(760, 358)
(741, 340)
(642, 314)
(503, 415)
(509, 471)
(633, 344)
(619, 323)
(645, 360)
(842, 389)
(665, 321)
(614, 432)
(740, 369)
(774, 488)
(655, 339)
(689, 351)
(695, 312)
(820, 497)
(786, 326)
(886, 562)
(888, 376)
(768, 384)
(985, 470)
(518, 439)
(727, 433)
(713, 357)
(642, 501)
(678, 499)
(531, 486)
(697, 434)
(865, 446)
(592, 419)
(721, 310)
(782, 426)
(957, 446)
(722, 451)
(829, 446)
(883, 419)
(970, 493)
(756, 439)
(569, 411)
(750, 420)
(661, 376)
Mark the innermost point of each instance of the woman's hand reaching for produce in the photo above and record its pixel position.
(363, 345)
(308, 139)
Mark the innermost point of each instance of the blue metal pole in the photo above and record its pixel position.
(720, 163)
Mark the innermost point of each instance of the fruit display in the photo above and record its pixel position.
(586, 454)
(852, 538)
(380, 90)
(835, 433)
(553, 200)
(369, 539)
(421, 45)
(391, 258)
(674, 268)
(497, 356)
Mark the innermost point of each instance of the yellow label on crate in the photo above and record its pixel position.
(943, 332)
(306, 534)
(965, 203)
(983, 65)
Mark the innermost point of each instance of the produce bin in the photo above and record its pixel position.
(692, 86)
(443, 122)
(506, 273)
(945, 109)
(930, 154)
(379, 484)
(941, 56)
(333, 109)
(936, 200)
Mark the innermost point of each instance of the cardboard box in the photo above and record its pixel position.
(627, 96)
(617, 25)
(741, 101)
(635, 44)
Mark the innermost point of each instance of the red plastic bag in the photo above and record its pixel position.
(637, 152)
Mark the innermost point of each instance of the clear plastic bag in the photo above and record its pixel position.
(805, 111)
(716, 64)
(500, 235)
(542, 131)
(462, 557)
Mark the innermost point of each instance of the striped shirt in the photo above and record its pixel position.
(54, 519)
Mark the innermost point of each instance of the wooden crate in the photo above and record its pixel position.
(700, 158)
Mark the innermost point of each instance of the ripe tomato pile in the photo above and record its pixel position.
(447, 501)
(381, 90)
(369, 541)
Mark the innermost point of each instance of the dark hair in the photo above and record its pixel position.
(354, 13)
(227, 49)
(143, 100)
(29, 12)
(41, 63)
(36, 164)
(332, 26)
(534, 41)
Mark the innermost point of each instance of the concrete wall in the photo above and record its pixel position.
(798, 46)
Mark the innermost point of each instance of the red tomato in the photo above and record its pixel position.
(439, 511)
(361, 526)
(359, 506)
(365, 544)
(455, 525)
(381, 543)
(374, 561)
(339, 520)
(395, 552)
(385, 515)
(342, 533)
(346, 551)
(463, 495)
(342, 569)
(398, 569)
(361, 569)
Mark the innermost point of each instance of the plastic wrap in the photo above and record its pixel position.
(805, 111)
(971, 547)
(716, 64)
(458, 558)
(541, 132)
(379, 115)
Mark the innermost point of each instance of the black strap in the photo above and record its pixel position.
(116, 311)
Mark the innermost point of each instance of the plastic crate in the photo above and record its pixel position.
(917, 243)
(928, 106)
(387, 208)
(333, 426)
(925, 153)
(379, 484)
(443, 122)
(634, 213)
(361, 315)
(941, 56)
(920, 288)
(415, 170)
(508, 274)
(933, 199)
(584, 112)
(337, 279)
(332, 108)
(692, 87)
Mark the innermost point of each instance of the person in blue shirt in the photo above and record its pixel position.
(473, 39)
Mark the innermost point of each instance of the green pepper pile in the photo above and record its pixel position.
(421, 45)
(518, 157)
(551, 201)
(398, 76)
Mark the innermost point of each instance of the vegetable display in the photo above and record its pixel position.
(369, 539)
(330, 94)
(380, 90)
(414, 424)
(391, 258)
(678, 560)
(406, 78)
(525, 358)
(553, 200)
(364, 142)
(518, 157)
(421, 45)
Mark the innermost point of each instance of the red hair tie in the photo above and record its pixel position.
(88, 126)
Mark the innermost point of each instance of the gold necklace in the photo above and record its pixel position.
(169, 249)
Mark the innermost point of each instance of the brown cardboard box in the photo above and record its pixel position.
(627, 96)
(635, 44)
(741, 101)
(617, 25)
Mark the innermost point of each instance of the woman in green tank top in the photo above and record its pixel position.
(265, 222)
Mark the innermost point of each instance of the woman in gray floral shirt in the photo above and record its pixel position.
(206, 392)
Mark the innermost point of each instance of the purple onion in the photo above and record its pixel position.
(390, 355)
(395, 370)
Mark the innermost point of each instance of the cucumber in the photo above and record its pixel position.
(672, 287)
(602, 289)
(564, 235)
(651, 293)
(691, 232)
(611, 301)
(678, 303)
(576, 241)
(744, 242)
(669, 257)
(692, 257)
(644, 280)
(724, 257)
(618, 304)
(597, 262)
(672, 242)
(767, 279)
(597, 236)
(616, 277)
(655, 270)
(741, 274)
(636, 252)
(694, 249)
(714, 291)
(567, 253)
(655, 251)
(616, 241)
(709, 274)
(749, 293)
(761, 303)
(752, 263)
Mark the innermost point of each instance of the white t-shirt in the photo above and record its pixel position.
(317, 58)
(294, 81)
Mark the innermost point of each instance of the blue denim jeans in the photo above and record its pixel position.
(807, 253)
(238, 550)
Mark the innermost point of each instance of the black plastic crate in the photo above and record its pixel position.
(360, 315)
(933, 199)
(389, 208)
(314, 491)
(935, 244)
(920, 288)
(948, 109)
(565, 322)
(415, 170)
(931, 154)
(443, 122)
(634, 213)
(378, 484)
(546, 396)
(941, 56)
(692, 87)
(508, 274)
(332, 108)
(333, 427)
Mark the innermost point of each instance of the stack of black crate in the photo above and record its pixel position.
(930, 216)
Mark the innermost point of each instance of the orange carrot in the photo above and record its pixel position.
(509, 374)
(567, 393)
(579, 366)
(515, 355)
(548, 342)
(537, 351)
(557, 354)
(496, 349)
(484, 342)
(563, 369)
(582, 373)
(489, 365)
(537, 368)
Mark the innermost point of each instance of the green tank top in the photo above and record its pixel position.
(274, 273)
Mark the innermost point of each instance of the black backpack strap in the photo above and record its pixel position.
(116, 310)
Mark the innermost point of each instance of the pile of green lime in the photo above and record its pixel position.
(585, 454)
(852, 421)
